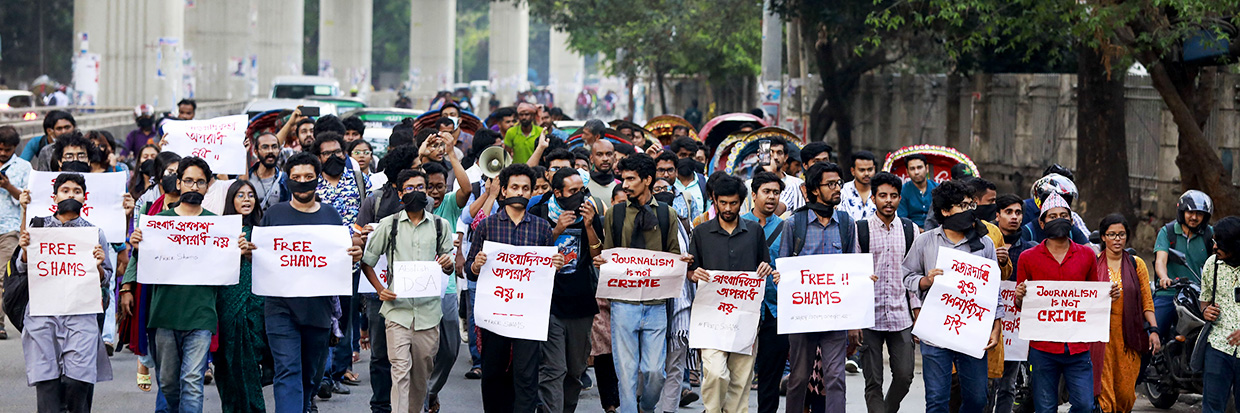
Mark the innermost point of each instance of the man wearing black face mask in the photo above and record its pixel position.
(72, 153)
(144, 117)
(577, 234)
(602, 178)
(269, 182)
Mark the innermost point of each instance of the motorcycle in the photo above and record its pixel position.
(1169, 372)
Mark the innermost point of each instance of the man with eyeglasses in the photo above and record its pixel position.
(269, 181)
(183, 317)
(72, 153)
(448, 207)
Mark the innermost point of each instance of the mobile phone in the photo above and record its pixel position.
(764, 151)
(311, 111)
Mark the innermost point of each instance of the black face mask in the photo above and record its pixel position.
(665, 197)
(987, 212)
(518, 200)
(820, 209)
(603, 178)
(169, 185)
(573, 202)
(147, 167)
(688, 167)
(75, 166)
(414, 201)
(298, 187)
(192, 198)
(145, 123)
(1058, 228)
(960, 222)
(334, 166)
(1012, 239)
(69, 206)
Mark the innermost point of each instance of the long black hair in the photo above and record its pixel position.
(230, 207)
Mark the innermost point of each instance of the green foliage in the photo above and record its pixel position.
(389, 47)
(473, 37)
(36, 38)
(310, 35)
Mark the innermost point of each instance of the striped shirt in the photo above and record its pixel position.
(891, 300)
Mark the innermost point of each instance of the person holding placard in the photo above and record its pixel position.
(728, 243)
(952, 206)
(64, 354)
(509, 365)
(772, 351)
(299, 329)
(182, 317)
(639, 328)
(412, 323)
(813, 229)
(1130, 338)
(242, 339)
(1057, 258)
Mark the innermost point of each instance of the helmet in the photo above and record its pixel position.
(1053, 183)
(1194, 200)
(1059, 169)
(143, 110)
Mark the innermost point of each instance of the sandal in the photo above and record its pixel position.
(144, 382)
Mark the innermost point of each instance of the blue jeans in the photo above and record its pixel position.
(1221, 379)
(180, 357)
(639, 348)
(300, 353)
(1076, 369)
(936, 366)
(161, 405)
(1164, 314)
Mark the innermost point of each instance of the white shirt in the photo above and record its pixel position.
(854, 204)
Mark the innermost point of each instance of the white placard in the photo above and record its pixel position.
(302, 261)
(62, 274)
(1014, 347)
(207, 244)
(104, 205)
(959, 310)
(417, 279)
(828, 292)
(1067, 311)
(638, 275)
(381, 272)
(220, 141)
(514, 291)
(726, 311)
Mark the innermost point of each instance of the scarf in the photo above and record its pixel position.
(1133, 322)
(554, 210)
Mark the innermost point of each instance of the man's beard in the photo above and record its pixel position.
(273, 160)
(728, 217)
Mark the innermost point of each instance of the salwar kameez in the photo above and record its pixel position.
(242, 344)
(1121, 365)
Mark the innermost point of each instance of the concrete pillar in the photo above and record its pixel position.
(140, 45)
(278, 41)
(432, 49)
(772, 65)
(567, 73)
(508, 55)
(345, 35)
(219, 38)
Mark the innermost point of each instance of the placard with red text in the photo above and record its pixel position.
(103, 208)
(302, 261)
(514, 291)
(61, 270)
(199, 250)
(959, 310)
(726, 311)
(1014, 347)
(828, 292)
(1067, 311)
(633, 274)
(219, 141)
(381, 272)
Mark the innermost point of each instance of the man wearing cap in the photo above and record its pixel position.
(1059, 259)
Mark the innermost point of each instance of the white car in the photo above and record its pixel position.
(297, 87)
(263, 105)
(17, 105)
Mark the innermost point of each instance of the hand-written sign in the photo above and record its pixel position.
(726, 312)
(828, 292)
(62, 272)
(172, 244)
(1014, 347)
(514, 290)
(302, 261)
(639, 275)
(381, 272)
(959, 310)
(417, 279)
(103, 207)
(220, 141)
(1067, 311)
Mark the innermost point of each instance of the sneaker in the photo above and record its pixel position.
(851, 367)
(339, 388)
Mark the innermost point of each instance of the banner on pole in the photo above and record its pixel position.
(62, 274)
(514, 291)
(172, 244)
(828, 292)
(959, 310)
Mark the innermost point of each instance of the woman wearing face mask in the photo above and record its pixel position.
(1134, 331)
(107, 148)
(242, 338)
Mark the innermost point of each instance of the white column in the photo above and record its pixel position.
(218, 37)
(140, 45)
(279, 41)
(345, 36)
(508, 55)
(432, 49)
(567, 73)
(772, 65)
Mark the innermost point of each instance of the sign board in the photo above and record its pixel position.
(828, 292)
(199, 250)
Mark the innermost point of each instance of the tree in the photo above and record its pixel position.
(1119, 31)
(36, 38)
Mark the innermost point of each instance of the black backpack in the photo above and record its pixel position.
(863, 234)
(16, 293)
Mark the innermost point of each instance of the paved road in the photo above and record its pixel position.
(460, 395)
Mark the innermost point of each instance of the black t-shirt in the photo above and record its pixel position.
(575, 283)
(310, 311)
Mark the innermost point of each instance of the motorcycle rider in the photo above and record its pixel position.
(1219, 284)
(1043, 187)
(1190, 234)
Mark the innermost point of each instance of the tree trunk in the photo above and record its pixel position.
(1101, 147)
(1200, 166)
(659, 75)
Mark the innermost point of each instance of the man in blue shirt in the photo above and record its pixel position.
(915, 195)
(772, 347)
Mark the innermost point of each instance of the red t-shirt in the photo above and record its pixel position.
(1038, 264)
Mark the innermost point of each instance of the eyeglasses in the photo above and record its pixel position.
(1116, 235)
(436, 187)
(967, 205)
(361, 153)
(666, 170)
(419, 188)
(661, 189)
(833, 184)
(70, 157)
(247, 195)
(331, 153)
(194, 184)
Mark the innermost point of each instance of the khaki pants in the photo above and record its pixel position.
(412, 354)
(725, 380)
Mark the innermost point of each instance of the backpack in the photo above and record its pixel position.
(863, 235)
(391, 249)
(16, 293)
(617, 222)
(800, 225)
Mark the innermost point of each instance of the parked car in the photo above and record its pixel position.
(298, 87)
